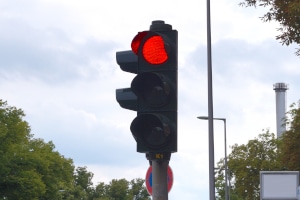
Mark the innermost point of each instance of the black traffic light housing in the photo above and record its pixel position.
(153, 92)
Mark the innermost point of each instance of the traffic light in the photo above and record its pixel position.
(153, 92)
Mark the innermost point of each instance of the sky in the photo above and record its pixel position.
(57, 64)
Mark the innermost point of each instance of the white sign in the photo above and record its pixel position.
(279, 185)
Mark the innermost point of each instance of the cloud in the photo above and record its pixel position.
(50, 55)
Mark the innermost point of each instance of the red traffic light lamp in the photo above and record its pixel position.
(153, 49)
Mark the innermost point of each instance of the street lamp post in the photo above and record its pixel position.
(212, 195)
(225, 149)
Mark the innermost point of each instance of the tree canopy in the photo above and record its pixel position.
(31, 169)
(290, 146)
(244, 163)
(287, 13)
(264, 153)
(122, 190)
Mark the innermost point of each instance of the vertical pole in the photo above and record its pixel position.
(210, 110)
(226, 166)
(160, 179)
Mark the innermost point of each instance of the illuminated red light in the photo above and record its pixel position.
(154, 50)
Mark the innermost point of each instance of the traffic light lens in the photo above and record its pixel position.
(154, 50)
(152, 130)
(152, 88)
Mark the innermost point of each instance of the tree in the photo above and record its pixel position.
(29, 168)
(245, 162)
(287, 13)
(138, 189)
(118, 189)
(265, 153)
(290, 146)
(121, 190)
(16, 180)
(83, 183)
(56, 170)
(101, 192)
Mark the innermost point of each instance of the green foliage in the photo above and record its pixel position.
(138, 189)
(220, 180)
(265, 153)
(290, 146)
(287, 13)
(121, 190)
(57, 171)
(83, 178)
(245, 163)
(31, 169)
(118, 189)
(83, 184)
(16, 177)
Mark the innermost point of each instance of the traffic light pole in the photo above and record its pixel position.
(160, 180)
(160, 163)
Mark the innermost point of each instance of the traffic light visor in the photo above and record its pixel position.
(137, 40)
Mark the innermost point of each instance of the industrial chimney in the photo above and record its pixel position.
(280, 91)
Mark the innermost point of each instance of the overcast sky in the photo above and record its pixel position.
(57, 63)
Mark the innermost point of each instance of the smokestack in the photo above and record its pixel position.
(280, 91)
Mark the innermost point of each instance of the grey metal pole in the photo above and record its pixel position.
(227, 195)
(226, 166)
(210, 110)
(160, 179)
